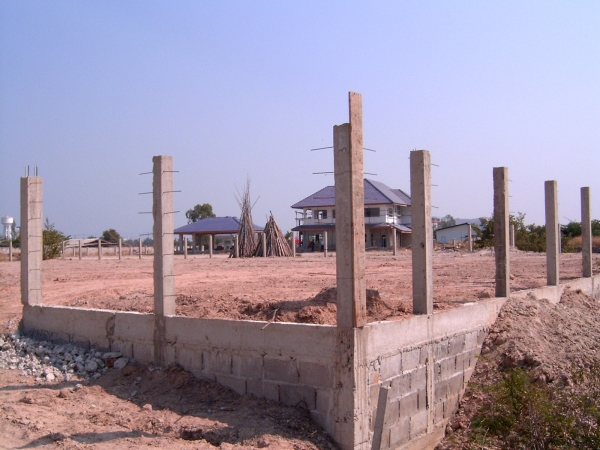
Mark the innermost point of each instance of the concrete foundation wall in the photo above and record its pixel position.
(285, 362)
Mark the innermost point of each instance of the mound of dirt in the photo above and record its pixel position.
(550, 342)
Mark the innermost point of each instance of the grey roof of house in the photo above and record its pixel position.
(376, 193)
(213, 225)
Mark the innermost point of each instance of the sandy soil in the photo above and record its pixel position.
(291, 290)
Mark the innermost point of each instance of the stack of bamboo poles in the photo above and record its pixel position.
(276, 243)
(246, 236)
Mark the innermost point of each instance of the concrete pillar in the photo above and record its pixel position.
(501, 239)
(130, 250)
(10, 250)
(162, 212)
(210, 245)
(453, 243)
(120, 248)
(99, 248)
(470, 239)
(87, 251)
(264, 244)
(552, 233)
(422, 232)
(140, 248)
(31, 241)
(79, 249)
(325, 244)
(62, 250)
(185, 249)
(586, 231)
(512, 235)
(162, 233)
(394, 241)
(350, 421)
(236, 244)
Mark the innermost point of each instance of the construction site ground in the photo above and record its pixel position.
(103, 412)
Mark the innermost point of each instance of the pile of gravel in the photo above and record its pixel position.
(49, 362)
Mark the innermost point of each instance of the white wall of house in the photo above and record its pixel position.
(374, 214)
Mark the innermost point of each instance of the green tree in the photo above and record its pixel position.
(52, 240)
(111, 235)
(596, 227)
(199, 212)
(446, 221)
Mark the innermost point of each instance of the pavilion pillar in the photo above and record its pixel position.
(99, 248)
(210, 245)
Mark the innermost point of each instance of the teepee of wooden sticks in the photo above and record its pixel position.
(246, 236)
(277, 245)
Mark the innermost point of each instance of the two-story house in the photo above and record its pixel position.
(387, 211)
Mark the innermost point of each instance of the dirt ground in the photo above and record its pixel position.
(138, 408)
(172, 406)
(289, 290)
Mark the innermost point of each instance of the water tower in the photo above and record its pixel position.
(7, 223)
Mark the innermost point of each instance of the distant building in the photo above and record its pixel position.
(459, 232)
(387, 211)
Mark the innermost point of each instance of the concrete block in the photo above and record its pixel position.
(456, 344)
(411, 359)
(236, 384)
(447, 367)
(281, 370)
(170, 355)
(324, 402)
(409, 405)
(467, 375)
(418, 379)
(143, 353)
(392, 410)
(373, 396)
(124, 347)
(438, 413)
(315, 374)
(190, 359)
(391, 367)
(216, 362)
(373, 376)
(463, 360)
(400, 433)
(418, 424)
(263, 389)
(450, 406)
(481, 335)
(440, 391)
(421, 399)
(247, 367)
(437, 372)
(471, 340)
(133, 327)
(440, 349)
(400, 386)
(455, 384)
(79, 341)
(295, 395)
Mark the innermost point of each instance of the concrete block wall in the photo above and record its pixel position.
(285, 362)
(426, 362)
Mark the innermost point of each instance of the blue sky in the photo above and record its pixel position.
(90, 91)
